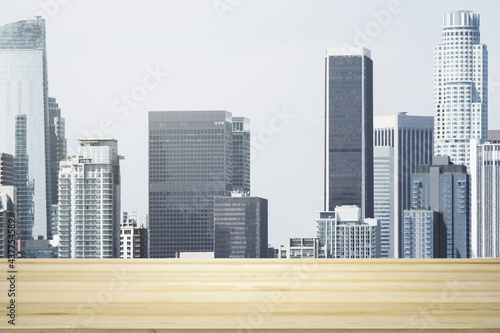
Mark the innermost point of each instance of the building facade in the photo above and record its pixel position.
(241, 155)
(420, 226)
(349, 129)
(460, 87)
(297, 248)
(444, 188)
(347, 235)
(7, 220)
(24, 130)
(401, 143)
(485, 199)
(190, 163)
(134, 238)
(6, 169)
(89, 201)
(240, 227)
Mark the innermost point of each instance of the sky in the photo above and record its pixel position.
(112, 61)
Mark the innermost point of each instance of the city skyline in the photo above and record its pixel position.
(287, 123)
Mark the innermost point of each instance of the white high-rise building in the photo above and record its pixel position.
(485, 199)
(347, 235)
(460, 87)
(89, 201)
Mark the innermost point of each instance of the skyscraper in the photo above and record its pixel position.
(349, 129)
(401, 143)
(460, 87)
(241, 155)
(24, 127)
(485, 199)
(89, 201)
(190, 163)
(240, 227)
(444, 188)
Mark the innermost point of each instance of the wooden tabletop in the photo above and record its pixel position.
(359, 295)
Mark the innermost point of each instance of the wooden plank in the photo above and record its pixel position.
(173, 294)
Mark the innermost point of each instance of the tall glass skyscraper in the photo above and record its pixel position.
(24, 130)
(349, 129)
(460, 87)
(191, 161)
(401, 143)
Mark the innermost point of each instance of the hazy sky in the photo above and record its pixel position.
(112, 61)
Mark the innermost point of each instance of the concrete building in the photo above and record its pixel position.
(25, 122)
(494, 136)
(89, 201)
(347, 235)
(37, 248)
(191, 156)
(240, 227)
(302, 248)
(485, 199)
(420, 228)
(6, 169)
(349, 129)
(8, 221)
(134, 238)
(460, 87)
(444, 188)
(401, 143)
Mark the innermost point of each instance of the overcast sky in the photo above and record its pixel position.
(112, 61)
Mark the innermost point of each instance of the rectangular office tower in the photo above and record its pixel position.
(349, 129)
(24, 130)
(347, 235)
(485, 199)
(444, 188)
(460, 87)
(401, 143)
(240, 227)
(191, 156)
(89, 201)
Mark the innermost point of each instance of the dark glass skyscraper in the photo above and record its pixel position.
(349, 129)
(190, 163)
(24, 125)
(240, 227)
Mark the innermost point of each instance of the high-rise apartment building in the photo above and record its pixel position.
(401, 143)
(347, 235)
(190, 163)
(349, 129)
(444, 188)
(485, 199)
(421, 234)
(240, 227)
(460, 87)
(89, 201)
(24, 126)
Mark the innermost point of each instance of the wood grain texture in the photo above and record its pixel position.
(255, 294)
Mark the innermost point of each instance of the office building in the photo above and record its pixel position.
(349, 129)
(272, 252)
(296, 248)
(190, 163)
(460, 87)
(401, 143)
(89, 201)
(134, 238)
(7, 218)
(444, 188)
(24, 130)
(240, 227)
(420, 226)
(485, 199)
(241, 155)
(6, 169)
(37, 248)
(346, 234)
(493, 136)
